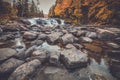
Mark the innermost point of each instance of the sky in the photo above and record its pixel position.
(45, 5)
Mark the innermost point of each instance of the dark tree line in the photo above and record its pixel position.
(28, 9)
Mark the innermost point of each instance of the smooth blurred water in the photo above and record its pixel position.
(46, 21)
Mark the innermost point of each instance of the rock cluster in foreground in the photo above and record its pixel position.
(25, 51)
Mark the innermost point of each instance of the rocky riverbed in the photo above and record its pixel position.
(48, 49)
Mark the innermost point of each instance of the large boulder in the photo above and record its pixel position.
(9, 66)
(26, 71)
(6, 53)
(73, 58)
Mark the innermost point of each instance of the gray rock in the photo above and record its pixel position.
(37, 42)
(114, 53)
(73, 58)
(115, 68)
(67, 38)
(54, 58)
(1, 31)
(29, 35)
(117, 40)
(42, 36)
(69, 46)
(78, 46)
(6, 53)
(86, 39)
(91, 35)
(113, 45)
(106, 34)
(26, 70)
(53, 37)
(9, 66)
(25, 21)
(40, 55)
(81, 33)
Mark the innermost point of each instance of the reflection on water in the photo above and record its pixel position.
(101, 69)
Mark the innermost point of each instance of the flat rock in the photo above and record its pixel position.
(73, 58)
(25, 71)
(6, 53)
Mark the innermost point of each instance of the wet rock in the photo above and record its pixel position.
(42, 36)
(53, 37)
(78, 46)
(86, 39)
(6, 53)
(80, 33)
(64, 31)
(115, 30)
(67, 38)
(57, 74)
(117, 40)
(73, 58)
(37, 42)
(113, 53)
(69, 46)
(6, 37)
(26, 70)
(92, 35)
(115, 68)
(1, 31)
(93, 48)
(51, 70)
(24, 21)
(106, 34)
(11, 27)
(29, 35)
(9, 66)
(54, 58)
(98, 77)
(41, 55)
(113, 45)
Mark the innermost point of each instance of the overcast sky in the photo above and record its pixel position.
(46, 4)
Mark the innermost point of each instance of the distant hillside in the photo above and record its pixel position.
(87, 11)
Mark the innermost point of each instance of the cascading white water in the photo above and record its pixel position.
(46, 21)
